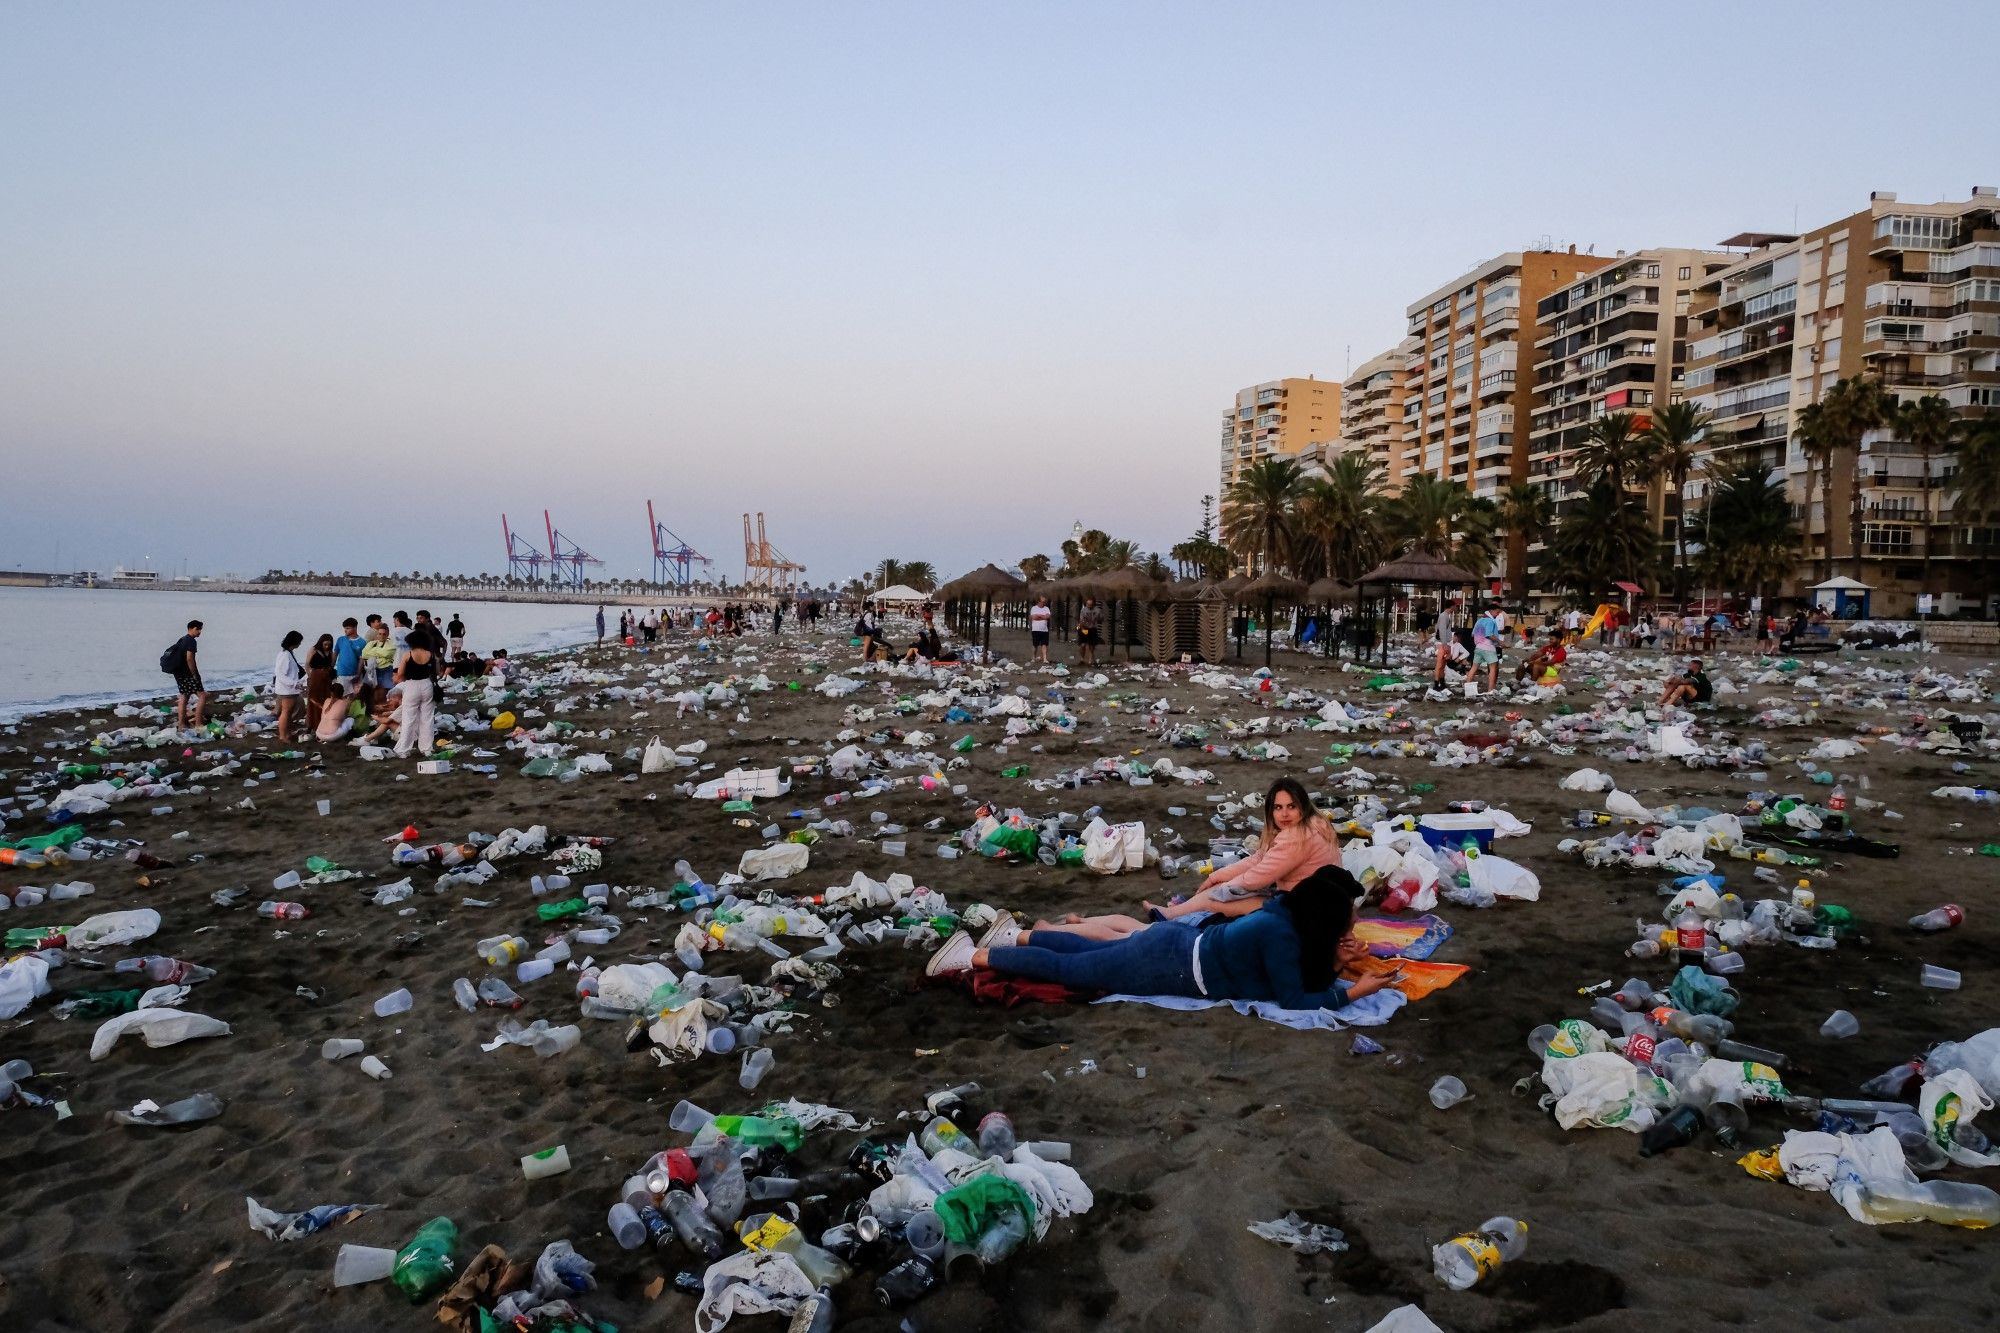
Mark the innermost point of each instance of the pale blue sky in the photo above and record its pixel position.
(333, 285)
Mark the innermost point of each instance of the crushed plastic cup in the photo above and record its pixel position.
(1726, 964)
(1840, 1023)
(1447, 1092)
(395, 1002)
(375, 1069)
(1539, 1039)
(338, 1048)
(325, 808)
(756, 1064)
(356, 1264)
(895, 849)
(1939, 978)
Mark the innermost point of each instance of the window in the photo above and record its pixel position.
(1686, 272)
(1652, 270)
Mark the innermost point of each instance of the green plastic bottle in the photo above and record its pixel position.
(757, 1131)
(425, 1264)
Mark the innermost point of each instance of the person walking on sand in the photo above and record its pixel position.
(1038, 629)
(418, 676)
(777, 617)
(179, 662)
(864, 630)
(288, 683)
(454, 635)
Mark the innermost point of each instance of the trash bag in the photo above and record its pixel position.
(1116, 847)
(109, 928)
(1672, 742)
(750, 1282)
(1588, 779)
(658, 758)
(1951, 1100)
(1627, 807)
(1681, 849)
(22, 981)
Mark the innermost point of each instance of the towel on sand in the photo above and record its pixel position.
(1386, 937)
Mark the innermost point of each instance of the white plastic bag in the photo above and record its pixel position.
(22, 982)
(750, 1282)
(1116, 847)
(1503, 878)
(1672, 742)
(160, 1027)
(658, 758)
(1627, 807)
(629, 985)
(1948, 1100)
(109, 928)
(780, 861)
(1602, 1089)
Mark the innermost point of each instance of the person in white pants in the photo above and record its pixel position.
(418, 677)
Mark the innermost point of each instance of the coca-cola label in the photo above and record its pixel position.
(1692, 938)
(1639, 1048)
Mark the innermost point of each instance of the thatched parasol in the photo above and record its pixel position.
(1271, 588)
(1421, 568)
(983, 585)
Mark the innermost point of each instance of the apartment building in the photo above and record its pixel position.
(1371, 410)
(1612, 341)
(1768, 337)
(1278, 417)
(1469, 377)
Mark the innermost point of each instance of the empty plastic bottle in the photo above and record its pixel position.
(467, 997)
(996, 1135)
(1938, 918)
(1676, 1129)
(186, 1111)
(499, 950)
(1952, 1203)
(692, 1225)
(274, 911)
(1463, 1262)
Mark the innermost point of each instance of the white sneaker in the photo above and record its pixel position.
(1001, 934)
(954, 957)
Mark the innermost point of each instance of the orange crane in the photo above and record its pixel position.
(765, 567)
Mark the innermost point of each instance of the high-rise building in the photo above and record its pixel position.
(1769, 337)
(1467, 395)
(1612, 341)
(1278, 417)
(1371, 410)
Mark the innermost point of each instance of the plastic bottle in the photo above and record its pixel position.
(692, 1225)
(1938, 918)
(996, 1135)
(941, 1134)
(1736, 1050)
(273, 911)
(1463, 1262)
(1691, 936)
(1676, 1129)
(499, 950)
(425, 1264)
(467, 997)
(816, 1315)
(1952, 1203)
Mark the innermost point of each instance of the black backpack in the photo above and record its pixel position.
(172, 660)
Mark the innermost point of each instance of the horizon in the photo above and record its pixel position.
(860, 272)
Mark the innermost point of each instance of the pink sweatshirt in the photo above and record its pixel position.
(1289, 858)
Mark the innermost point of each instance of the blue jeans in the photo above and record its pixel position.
(1158, 960)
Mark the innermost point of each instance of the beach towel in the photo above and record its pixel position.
(1368, 1011)
(1416, 938)
(1419, 979)
(988, 987)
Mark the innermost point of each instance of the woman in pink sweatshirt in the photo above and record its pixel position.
(1296, 841)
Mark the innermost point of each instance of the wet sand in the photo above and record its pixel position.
(114, 1228)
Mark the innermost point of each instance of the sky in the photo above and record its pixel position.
(335, 286)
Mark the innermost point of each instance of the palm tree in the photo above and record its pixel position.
(1083, 555)
(1257, 511)
(1612, 451)
(1674, 441)
(1117, 555)
(1931, 425)
(1339, 511)
(919, 574)
(1976, 484)
(1035, 568)
(1155, 568)
(1444, 519)
(1855, 406)
(1603, 539)
(889, 573)
(1818, 436)
(1751, 542)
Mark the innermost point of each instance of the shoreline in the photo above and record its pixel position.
(546, 597)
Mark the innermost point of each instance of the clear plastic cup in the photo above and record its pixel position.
(326, 807)
(1939, 978)
(1447, 1092)
(533, 970)
(687, 1118)
(338, 1048)
(756, 1064)
(395, 1002)
(375, 1069)
(356, 1264)
(625, 1227)
(288, 880)
(924, 1233)
(1539, 1039)
(721, 1041)
(1839, 1023)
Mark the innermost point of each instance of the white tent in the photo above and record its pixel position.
(902, 592)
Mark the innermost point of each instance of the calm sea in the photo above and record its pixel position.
(71, 646)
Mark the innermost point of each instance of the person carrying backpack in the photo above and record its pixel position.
(179, 662)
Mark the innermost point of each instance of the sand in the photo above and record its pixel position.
(110, 1228)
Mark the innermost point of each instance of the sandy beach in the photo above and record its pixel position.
(1235, 1120)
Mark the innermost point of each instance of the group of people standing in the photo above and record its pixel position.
(387, 674)
(730, 620)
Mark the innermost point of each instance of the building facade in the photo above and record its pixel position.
(1613, 341)
(1279, 417)
(1770, 336)
(1371, 410)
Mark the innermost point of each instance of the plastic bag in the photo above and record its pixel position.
(780, 861)
(22, 982)
(1626, 807)
(1948, 1101)
(1503, 878)
(1588, 779)
(1978, 1055)
(750, 1282)
(630, 985)
(1304, 1237)
(658, 758)
(1672, 742)
(109, 928)
(1699, 992)
(160, 1027)
(1116, 847)
(1604, 1090)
